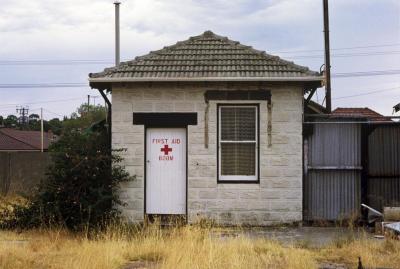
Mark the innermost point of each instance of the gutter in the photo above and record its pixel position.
(166, 79)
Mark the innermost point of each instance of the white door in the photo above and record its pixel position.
(166, 171)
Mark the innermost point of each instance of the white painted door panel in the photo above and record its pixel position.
(166, 171)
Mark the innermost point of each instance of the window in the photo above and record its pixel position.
(238, 143)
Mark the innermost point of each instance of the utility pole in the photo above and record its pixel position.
(23, 112)
(41, 129)
(94, 99)
(328, 96)
(117, 38)
(88, 103)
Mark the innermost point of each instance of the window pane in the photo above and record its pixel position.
(238, 123)
(238, 159)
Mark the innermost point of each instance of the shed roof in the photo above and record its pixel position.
(207, 57)
(12, 139)
(313, 107)
(360, 112)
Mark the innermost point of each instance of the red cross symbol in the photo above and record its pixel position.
(166, 149)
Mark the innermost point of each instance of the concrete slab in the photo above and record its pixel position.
(307, 236)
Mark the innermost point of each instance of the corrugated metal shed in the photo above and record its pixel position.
(384, 167)
(332, 194)
(332, 182)
(384, 151)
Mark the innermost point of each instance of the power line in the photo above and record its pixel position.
(79, 85)
(62, 100)
(54, 62)
(102, 61)
(343, 55)
(367, 93)
(344, 48)
(44, 102)
(42, 85)
(53, 112)
(367, 73)
(70, 85)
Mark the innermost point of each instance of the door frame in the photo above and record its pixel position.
(145, 165)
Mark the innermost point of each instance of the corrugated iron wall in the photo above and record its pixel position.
(332, 181)
(383, 186)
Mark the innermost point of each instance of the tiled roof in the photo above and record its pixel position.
(206, 56)
(12, 139)
(359, 112)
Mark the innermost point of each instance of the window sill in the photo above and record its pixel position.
(257, 181)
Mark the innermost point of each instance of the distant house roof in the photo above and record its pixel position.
(207, 57)
(360, 112)
(12, 139)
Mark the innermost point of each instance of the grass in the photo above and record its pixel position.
(184, 247)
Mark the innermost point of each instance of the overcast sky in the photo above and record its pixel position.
(59, 31)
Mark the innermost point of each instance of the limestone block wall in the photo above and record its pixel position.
(277, 198)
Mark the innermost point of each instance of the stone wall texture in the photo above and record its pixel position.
(277, 198)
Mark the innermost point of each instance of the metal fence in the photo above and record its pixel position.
(21, 171)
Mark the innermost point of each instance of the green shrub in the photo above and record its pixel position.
(80, 188)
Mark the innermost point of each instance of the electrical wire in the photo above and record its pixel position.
(345, 48)
(44, 109)
(42, 85)
(54, 62)
(79, 85)
(44, 102)
(366, 73)
(367, 93)
(342, 55)
(103, 61)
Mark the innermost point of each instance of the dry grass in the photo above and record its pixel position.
(373, 253)
(186, 247)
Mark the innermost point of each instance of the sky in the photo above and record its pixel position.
(47, 42)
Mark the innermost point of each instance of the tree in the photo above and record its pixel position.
(34, 123)
(34, 117)
(11, 121)
(55, 125)
(84, 117)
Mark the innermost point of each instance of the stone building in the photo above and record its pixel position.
(213, 129)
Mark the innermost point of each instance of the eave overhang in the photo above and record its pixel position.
(199, 79)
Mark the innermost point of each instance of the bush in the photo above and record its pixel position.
(80, 189)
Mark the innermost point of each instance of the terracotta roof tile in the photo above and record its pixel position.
(363, 112)
(12, 139)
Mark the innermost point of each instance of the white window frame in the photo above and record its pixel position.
(238, 178)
